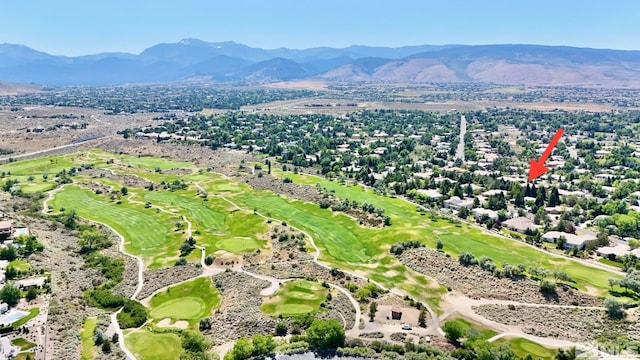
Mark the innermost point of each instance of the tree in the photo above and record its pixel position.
(561, 242)
(466, 259)
(208, 260)
(32, 294)
(548, 287)
(554, 197)
(8, 253)
(373, 307)
(98, 337)
(242, 349)
(463, 212)
(10, 294)
(614, 308)
(262, 345)
(91, 240)
(106, 346)
(439, 245)
(11, 272)
(204, 324)
(194, 342)
(453, 331)
(281, 328)
(422, 318)
(561, 275)
(69, 219)
(569, 354)
(326, 334)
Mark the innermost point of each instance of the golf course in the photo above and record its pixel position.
(295, 298)
(188, 301)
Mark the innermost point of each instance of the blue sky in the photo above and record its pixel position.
(77, 27)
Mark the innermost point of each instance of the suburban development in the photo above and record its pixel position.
(214, 200)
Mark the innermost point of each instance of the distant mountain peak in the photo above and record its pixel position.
(517, 64)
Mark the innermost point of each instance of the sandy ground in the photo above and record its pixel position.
(180, 324)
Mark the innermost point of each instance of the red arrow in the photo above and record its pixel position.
(537, 167)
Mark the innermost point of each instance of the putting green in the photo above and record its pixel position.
(191, 301)
(304, 296)
(146, 345)
(182, 308)
(238, 245)
(294, 298)
(522, 347)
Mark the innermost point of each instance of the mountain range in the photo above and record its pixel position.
(193, 59)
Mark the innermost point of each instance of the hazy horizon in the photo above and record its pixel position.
(75, 28)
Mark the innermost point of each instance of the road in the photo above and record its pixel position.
(460, 304)
(463, 131)
(39, 152)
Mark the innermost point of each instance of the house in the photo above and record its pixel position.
(6, 228)
(396, 313)
(520, 224)
(613, 252)
(478, 213)
(28, 283)
(571, 240)
(456, 203)
(555, 210)
(429, 193)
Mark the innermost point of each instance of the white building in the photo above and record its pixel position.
(579, 241)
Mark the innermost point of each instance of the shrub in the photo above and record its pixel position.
(133, 315)
(281, 328)
(614, 308)
(326, 334)
(399, 247)
(453, 331)
(548, 287)
(467, 259)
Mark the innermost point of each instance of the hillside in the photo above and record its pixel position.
(230, 61)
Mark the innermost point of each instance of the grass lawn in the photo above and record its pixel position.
(89, 350)
(46, 165)
(25, 356)
(20, 265)
(23, 343)
(33, 312)
(342, 241)
(522, 347)
(294, 298)
(466, 325)
(408, 224)
(190, 301)
(147, 233)
(221, 226)
(611, 262)
(146, 345)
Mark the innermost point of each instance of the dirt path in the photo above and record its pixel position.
(40, 152)
(458, 302)
(432, 322)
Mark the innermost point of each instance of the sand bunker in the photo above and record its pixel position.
(166, 322)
